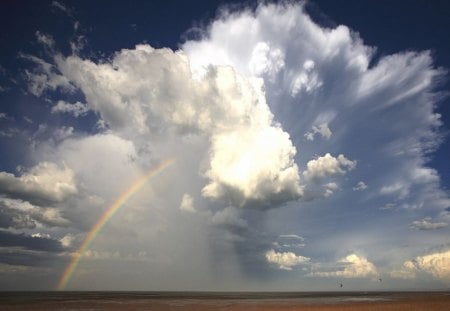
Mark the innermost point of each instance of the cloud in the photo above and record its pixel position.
(45, 39)
(407, 272)
(44, 76)
(58, 5)
(251, 158)
(18, 214)
(388, 206)
(229, 217)
(10, 218)
(67, 240)
(45, 183)
(292, 236)
(104, 164)
(436, 264)
(360, 186)
(426, 224)
(285, 260)
(266, 60)
(400, 188)
(308, 81)
(321, 129)
(352, 266)
(254, 167)
(290, 241)
(187, 204)
(77, 109)
(327, 165)
(63, 133)
(29, 242)
(351, 86)
(233, 107)
(320, 169)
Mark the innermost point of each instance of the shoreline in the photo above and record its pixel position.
(229, 301)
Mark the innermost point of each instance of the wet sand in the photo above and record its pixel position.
(387, 301)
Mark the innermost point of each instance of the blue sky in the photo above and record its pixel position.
(309, 144)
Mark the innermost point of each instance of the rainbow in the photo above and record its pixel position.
(106, 216)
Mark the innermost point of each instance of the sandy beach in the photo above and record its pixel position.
(396, 301)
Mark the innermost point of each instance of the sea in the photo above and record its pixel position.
(162, 301)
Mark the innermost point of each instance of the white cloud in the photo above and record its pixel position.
(426, 224)
(321, 129)
(285, 260)
(67, 240)
(187, 204)
(329, 189)
(436, 264)
(44, 77)
(45, 183)
(360, 186)
(400, 188)
(266, 60)
(254, 166)
(77, 109)
(307, 80)
(251, 158)
(41, 235)
(353, 266)
(397, 89)
(327, 165)
(407, 272)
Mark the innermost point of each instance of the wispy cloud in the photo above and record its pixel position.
(427, 224)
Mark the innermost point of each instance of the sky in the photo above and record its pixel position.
(210, 145)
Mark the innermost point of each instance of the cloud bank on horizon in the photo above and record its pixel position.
(301, 156)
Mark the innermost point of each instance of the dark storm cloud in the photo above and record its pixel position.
(35, 243)
(17, 257)
(15, 219)
(18, 214)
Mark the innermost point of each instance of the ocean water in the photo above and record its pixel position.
(155, 301)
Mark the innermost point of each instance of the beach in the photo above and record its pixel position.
(84, 301)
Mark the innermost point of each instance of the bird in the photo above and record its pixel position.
(380, 280)
(341, 285)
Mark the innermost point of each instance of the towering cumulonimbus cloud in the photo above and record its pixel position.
(317, 79)
(251, 158)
